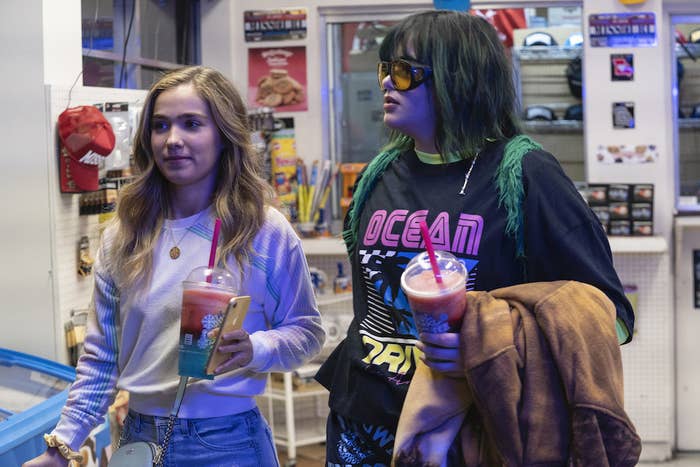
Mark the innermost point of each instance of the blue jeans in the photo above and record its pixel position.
(241, 440)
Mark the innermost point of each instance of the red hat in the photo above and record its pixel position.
(84, 133)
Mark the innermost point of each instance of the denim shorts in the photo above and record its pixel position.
(240, 440)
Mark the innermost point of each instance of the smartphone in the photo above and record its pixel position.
(233, 319)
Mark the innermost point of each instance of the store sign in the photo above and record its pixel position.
(272, 25)
(622, 67)
(622, 30)
(623, 114)
(459, 5)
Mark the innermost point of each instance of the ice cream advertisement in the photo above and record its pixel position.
(277, 78)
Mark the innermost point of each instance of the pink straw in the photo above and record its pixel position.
(214, 243)
(431, 251)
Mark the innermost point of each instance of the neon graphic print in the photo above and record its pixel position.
(388, 332)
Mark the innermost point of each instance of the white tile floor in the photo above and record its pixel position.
(686, 459)
(313, 455)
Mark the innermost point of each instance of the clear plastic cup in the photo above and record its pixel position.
(436, 307)
(203, 305)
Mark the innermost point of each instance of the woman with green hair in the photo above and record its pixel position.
(490, 195)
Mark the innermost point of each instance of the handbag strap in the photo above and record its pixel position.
(159, 455)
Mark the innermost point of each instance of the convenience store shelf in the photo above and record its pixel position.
(332, 246)
(655, 244)
(688, 221)
(555, 126)
(329, 299)
(307, 432)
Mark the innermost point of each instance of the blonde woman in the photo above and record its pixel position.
(195, 164)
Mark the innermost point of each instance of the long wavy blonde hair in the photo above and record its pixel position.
(240, 196)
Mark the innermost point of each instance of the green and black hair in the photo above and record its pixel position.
(472, 80)
(475, 102)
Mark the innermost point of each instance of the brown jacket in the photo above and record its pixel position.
(543, 385)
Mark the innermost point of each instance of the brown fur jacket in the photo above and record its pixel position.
(542, 386)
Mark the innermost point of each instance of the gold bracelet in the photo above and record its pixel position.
(73, 458)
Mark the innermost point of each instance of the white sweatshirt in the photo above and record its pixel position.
(132, 338)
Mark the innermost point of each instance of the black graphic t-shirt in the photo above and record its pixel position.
(369, 372)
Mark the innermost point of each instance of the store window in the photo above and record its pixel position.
(129, 43)
(551, 100)
(358, 99)
(687, 104)
(548, 67)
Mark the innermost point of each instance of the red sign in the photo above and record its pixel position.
(277, 78)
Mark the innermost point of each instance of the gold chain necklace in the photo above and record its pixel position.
(175, 250)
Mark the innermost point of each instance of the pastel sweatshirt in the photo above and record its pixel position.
(132, 336)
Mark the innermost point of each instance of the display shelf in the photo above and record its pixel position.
(306, 433)
(297, 424)
(555, 126)
(688, 221)
(655, 244)
(333, 299)
(688, 123)
(324, 246)
(547, 52)
(280, 395)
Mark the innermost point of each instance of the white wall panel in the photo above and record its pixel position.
(72, 291)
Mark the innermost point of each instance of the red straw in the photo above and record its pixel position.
(214, 243)
(431, 251)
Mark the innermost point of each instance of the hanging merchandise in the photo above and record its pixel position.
(539, 112)
(85, 261)
(574, 71)
(283, 159)
(505, 20)
(85, 136)
(342, 282)
(623, 115)
(622, 67)
(75, 329)
(539, 39)
(117, 114)
(574, 112)
(574, 40)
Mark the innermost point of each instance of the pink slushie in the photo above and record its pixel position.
(436, 307)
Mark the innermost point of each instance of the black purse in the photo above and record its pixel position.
(147, 453)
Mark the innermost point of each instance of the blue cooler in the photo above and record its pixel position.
(33, 391)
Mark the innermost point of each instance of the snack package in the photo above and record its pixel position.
(283, 157)
(278, 88)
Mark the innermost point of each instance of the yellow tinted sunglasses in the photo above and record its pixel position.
(404, 74)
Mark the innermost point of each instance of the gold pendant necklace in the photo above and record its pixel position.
(175, 250)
